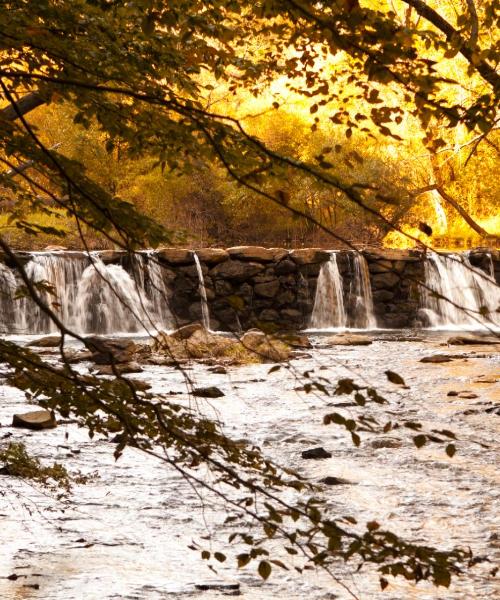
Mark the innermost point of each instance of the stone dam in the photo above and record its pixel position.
(239, 288)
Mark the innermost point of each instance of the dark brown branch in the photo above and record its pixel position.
(487, 72)
(463, 213)
(23, 106)
(474, 23)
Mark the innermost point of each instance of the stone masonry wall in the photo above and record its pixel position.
(273, 288)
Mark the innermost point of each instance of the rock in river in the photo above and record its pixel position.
(38, 419)
(330, 480)
(208, 392)
(437, 358)
(49, 341)
(316, 453)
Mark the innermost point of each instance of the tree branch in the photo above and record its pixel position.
(487, 72)
(23, 106)
(463, 213)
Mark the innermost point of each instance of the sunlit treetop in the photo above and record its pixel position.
(144, 70)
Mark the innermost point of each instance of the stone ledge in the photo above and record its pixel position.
(309, 256)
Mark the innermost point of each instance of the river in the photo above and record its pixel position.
(125, 534)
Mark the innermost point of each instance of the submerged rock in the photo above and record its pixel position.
(208, 392)
(386, 442)
(467, 395)
(437, 358)
(218, 370)
(38, 419)
(330, 480)
(464, 340)
(316, 453)
(121, 369)
(219, 586)
(349, 340)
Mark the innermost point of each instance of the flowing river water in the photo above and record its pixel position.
(125, 534)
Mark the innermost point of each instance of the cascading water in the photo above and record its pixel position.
(87, 295)
(456, 294)
(149, 276)
(338, 307)
(109, 301)
(8, 288)
(360, 295)
(61, 272)
(205, 313)
(328, 311)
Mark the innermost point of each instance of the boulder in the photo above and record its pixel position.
(122, 369)
(236, 270)
(49, 341)
(382, 296)
(329, 480)
(386, 442)
(308, 256)
(385, 280)
(295, 340)
(269, 314)
(467, 395)
(265, 347)
(464, 340)
(285, 267)
(292, 314)
(208, 392)
(380, 266)
(437, 358)
(38, 419)
(255, 346)
(279, 253)
(257, 253)
(185, 332)
(218, 370)
(212, 256)
(349, 340)
(218, 586)
(110, 351)
(316, 453)
(176, 256)
(268, 289)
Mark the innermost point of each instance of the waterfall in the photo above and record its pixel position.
(150, 280)
(109, 301)
(205, 314)
(338, 307)
(87, 295)
(8, 288)
(456, 294)
(361, 300)
(60, 274)
(328, 311)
